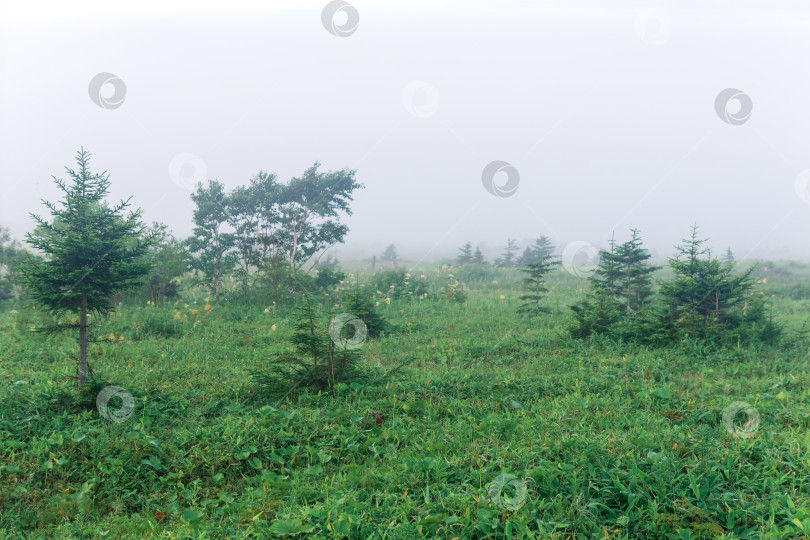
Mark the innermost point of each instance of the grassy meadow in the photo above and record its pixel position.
(469, 422)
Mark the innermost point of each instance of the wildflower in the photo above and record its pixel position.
(387, 300)
(121, 339)
(185, 306)
(207, 307)
(376, 303)
(112, 337)
(502, 297)
(194, 312)
(267, 310)
(178, 317)
(273, 328)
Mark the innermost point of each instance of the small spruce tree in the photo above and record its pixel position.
(91, 251)
(534, 285)
(508, 258)
(636, 281)
(466, 256)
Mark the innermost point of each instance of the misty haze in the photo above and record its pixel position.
(351, 269)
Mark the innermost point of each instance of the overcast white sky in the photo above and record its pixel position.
(606, 109)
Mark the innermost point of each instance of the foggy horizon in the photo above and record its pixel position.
(607, 113)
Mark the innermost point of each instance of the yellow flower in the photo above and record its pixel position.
(207, 308)
(194, 312)
(273, 328)
(185, 305)
(112, 337)
(387, 300)
(178, 317)
(502, 297)
(121, 339)
(267, 310)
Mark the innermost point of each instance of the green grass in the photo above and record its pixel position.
(610, 441)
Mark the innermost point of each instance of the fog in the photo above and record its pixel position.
(607, 113)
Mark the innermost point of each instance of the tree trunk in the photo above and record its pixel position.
(82, 368)
(629, 292)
